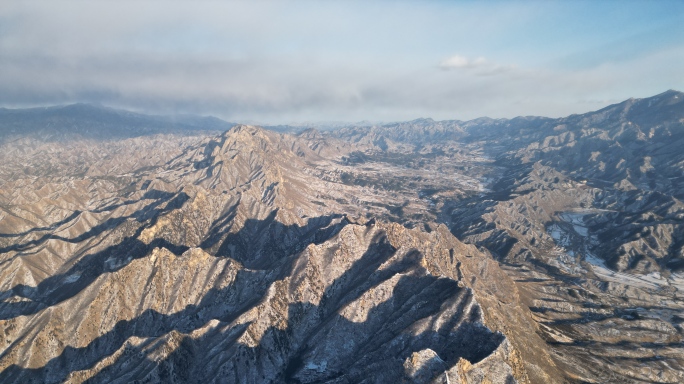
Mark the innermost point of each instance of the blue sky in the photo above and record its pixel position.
(297, 61)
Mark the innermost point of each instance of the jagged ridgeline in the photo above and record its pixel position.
(215, 263)
(186, 249)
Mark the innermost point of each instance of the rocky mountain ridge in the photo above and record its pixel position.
(206, 248)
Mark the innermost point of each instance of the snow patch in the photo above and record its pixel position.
(72, 278)
(318, 367)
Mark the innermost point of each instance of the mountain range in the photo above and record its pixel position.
(187, 249)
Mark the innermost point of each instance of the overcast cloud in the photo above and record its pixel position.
(313, 61)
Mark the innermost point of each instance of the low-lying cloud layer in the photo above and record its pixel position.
(297, 61)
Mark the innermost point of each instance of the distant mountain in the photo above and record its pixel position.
(636, 142)
(629, 161)
(90, 121)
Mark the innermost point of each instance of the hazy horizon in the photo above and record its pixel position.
(297, 61)
(300, 123)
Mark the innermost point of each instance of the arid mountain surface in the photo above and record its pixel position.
(186, 249)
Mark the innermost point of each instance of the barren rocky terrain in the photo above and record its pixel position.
(185, 249)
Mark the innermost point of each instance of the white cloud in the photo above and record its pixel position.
(478, 66)
(457, 61)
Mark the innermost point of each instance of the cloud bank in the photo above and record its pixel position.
(304, 61)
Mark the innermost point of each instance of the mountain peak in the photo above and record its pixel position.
(244, 128)
(671, 92)
(423, 120)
